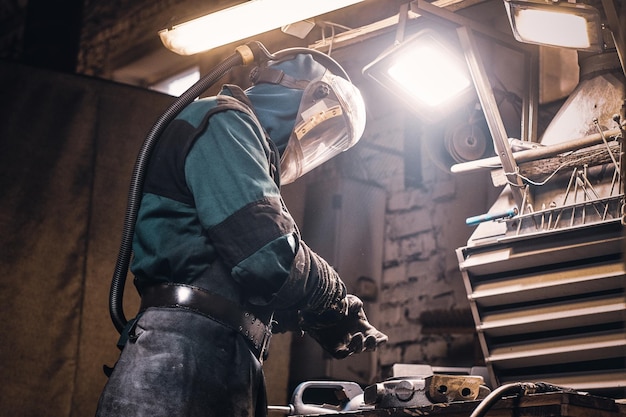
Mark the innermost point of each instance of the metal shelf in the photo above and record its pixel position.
(546, 284)
(560, 350)
(585, 312)
(551, 305)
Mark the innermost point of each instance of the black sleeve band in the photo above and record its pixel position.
(250, 228)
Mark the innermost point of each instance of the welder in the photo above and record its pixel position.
(219, 262)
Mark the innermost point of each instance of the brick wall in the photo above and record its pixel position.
(424, 307)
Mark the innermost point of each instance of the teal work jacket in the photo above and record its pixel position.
(210, 195)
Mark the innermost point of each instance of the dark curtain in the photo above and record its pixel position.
(67, 149)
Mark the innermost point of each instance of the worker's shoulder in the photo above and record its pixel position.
(198, 109)
(214, 106)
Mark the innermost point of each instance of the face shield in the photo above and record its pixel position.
(330, 120)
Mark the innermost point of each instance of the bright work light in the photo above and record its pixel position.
(429, 74)
(563, 24)
(425, 71)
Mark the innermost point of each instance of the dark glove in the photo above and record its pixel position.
(343, 332)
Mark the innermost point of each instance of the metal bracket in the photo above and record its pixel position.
(465, 32)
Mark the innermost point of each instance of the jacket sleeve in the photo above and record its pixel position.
(239, 206)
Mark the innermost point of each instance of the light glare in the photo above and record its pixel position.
(429, 74)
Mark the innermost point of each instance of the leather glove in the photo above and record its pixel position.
(345, 331)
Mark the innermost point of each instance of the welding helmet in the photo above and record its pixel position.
(310, 112)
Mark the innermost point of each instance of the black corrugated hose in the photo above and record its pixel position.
(515, 388)
(136, 185)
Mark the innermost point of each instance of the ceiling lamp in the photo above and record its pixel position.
(242, 21)
(564, 24)
(424, 71)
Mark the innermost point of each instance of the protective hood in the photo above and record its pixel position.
(310, 113)
(276, 105)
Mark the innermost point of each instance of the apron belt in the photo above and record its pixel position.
(215, 307)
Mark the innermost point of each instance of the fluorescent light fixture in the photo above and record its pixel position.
(243, 21)
(424, 71)
(561, 24)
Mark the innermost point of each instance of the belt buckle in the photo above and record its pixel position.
(258, 333)
(267, 336)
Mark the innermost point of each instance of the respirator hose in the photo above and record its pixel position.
(136, 186)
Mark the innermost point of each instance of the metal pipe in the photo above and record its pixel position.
(535, 154)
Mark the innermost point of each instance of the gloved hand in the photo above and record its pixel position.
(343, 333)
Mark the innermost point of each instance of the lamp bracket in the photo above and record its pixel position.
(617, 29)
(403, 17)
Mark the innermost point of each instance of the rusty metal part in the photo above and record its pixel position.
(418, 392)
(449, 388)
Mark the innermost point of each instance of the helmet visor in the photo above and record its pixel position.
(331, 119)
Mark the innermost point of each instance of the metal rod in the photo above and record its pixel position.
(531, 210)
(595, 196)
(621, 163)
(552, 206)
(571, 223)
(608, 148)
(584, 207)
(287, 410)
(530, 107)
(606, 208)
(569, 187)
(519, 224)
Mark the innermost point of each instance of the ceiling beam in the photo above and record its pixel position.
(385, 26)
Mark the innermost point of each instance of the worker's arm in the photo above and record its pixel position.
(240, 206)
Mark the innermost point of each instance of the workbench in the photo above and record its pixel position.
(558, 404)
